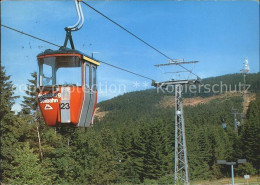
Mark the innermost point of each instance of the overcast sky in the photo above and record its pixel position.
(218, 34)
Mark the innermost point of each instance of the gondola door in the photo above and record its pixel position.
(90, 95)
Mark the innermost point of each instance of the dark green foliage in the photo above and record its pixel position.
(30, 102)
(231, 82)
(251, 136)
(246, 168)
(9, 130)
(7, 93)
(26, 167)
(133, 143)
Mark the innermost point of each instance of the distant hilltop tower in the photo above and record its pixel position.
(244, 71)
(246, 66)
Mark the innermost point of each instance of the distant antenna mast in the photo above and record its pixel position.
(244, 71)
(181, 170)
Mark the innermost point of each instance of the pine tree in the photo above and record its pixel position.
(85, 146)
(251, 135)
(10, 131)
(7, 94)
(26, 167)
(30, 103)
(127, 173)
(137, 154)
(64, 163)
(30, 110)
(106, 162)
(165, 148)
(153, 156)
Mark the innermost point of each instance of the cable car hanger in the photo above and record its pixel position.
(75, 27)
(67, 83)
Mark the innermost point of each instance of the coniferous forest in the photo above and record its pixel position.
(132, 144)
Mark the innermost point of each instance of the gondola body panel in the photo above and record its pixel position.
(49, 105)
(57, 109)
(65, 104)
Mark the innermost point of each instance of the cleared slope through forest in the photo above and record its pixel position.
(168, 101)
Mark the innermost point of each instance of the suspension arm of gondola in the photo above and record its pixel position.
(80, 21)
(75, 27)
(68, 37)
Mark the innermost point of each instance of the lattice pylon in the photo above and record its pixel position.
(181, 175)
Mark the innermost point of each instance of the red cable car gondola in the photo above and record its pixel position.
(67, 80)
(67, 83)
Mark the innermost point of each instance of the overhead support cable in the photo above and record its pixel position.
(111, 65)
(138, 38)
(149, 45)
(127, 71)
(29, 35)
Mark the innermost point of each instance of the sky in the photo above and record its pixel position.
(218, 34)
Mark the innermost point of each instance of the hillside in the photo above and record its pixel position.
(132, 141)
(145, 112)
(168, 102)
(142, 102)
